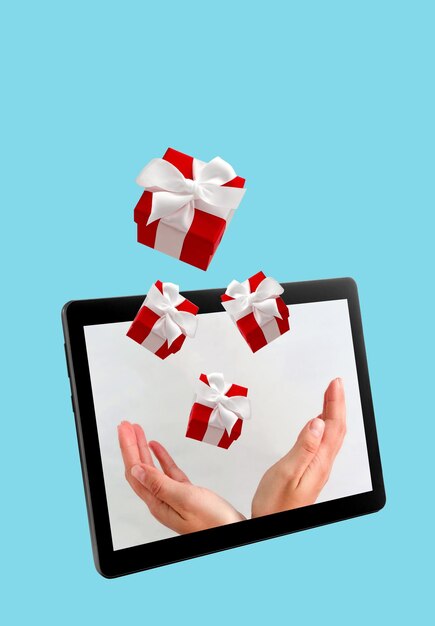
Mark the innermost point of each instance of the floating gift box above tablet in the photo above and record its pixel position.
(164, 320)
(256, 307)
(186, 205)
(218, 411)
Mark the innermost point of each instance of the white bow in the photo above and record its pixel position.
(175, 197)
(226, 410)
(261, 302)
(172, 322)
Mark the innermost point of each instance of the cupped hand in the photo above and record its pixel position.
(168, 493)
(297, 479)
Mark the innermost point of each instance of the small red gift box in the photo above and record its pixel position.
(218, 412)
(256, 307)
(164, 320)
(186, 206)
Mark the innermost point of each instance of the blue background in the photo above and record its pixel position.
(327, 108)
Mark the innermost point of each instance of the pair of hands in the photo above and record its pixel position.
(295, 480)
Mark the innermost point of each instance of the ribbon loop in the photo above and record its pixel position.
(171, 323)
(174, 195)
(226, 409)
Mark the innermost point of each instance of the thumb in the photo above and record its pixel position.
(160, 485)
(305, 448)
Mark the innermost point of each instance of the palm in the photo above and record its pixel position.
(170, 496)
(297, 479)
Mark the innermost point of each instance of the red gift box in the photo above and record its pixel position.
(145, 326)
(203, 427)
(257, 327)
(195, 244)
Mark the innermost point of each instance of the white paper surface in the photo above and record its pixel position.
(286, 381)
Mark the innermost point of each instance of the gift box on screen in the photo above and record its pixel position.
(257, 309)
(164, 320)
(218, 411)
(186, 205)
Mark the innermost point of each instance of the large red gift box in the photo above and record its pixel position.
(196, 246)
(261, 321)
(147, 328)
(200, 424)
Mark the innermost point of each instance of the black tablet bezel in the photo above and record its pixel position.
(110, 563)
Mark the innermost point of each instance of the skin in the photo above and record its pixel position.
(168, 493)
(295, 480)
(299, 476)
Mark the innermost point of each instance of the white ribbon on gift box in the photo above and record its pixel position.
(171, 323)
(226, 409)
(175, 197)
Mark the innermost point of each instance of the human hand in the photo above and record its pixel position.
(298, 478)
(170, 496)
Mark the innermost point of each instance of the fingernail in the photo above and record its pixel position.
(338, 388)
(317, 427)
(334, 389)
(138, 472)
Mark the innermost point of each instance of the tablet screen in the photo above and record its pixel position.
(286, 381)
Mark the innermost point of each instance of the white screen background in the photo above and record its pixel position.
(286, 382)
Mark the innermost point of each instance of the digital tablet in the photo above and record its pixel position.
(115, 379)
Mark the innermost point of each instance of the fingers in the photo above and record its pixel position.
(131, 456)
(128, 444)
(305, 448)
(334, 415)
(334, 405)
(161, 486)
(134, 449)
(165, 514)
(142, 444)
(167, 463)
